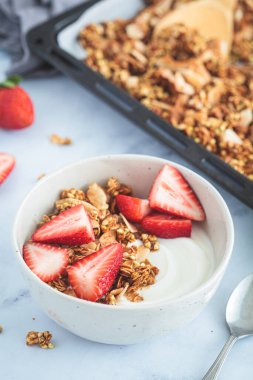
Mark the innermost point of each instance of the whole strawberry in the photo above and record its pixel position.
(16, 108)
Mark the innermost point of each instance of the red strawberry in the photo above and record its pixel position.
(46, 261)
(172, 193)
(134, 209)
(93, 276)
(7, 163)
(166, 226)
(16, 108)
(71, 227)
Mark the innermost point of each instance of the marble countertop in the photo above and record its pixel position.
(65, 108)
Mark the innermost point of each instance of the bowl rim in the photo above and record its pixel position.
(219, 271)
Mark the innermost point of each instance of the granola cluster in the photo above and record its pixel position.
(58, 140)
(136, 271)
(187, 80)
(43, 339)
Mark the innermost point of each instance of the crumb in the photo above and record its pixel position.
(1, 329)
(33, 318)
(43, 339)
(41, 176)
(58, 140)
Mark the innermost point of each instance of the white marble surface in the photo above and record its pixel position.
(65, 108)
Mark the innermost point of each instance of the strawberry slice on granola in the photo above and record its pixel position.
(167, 226)
(172, 193)
(92, 276)
(46, 261)
(71, 227)
(134, 209)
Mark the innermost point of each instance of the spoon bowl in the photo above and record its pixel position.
(239, 313)
(239, 317)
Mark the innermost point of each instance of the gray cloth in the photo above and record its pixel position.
(16, 18)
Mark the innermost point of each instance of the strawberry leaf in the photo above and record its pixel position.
(11, 82)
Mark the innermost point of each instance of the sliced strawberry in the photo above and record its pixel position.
(172, 193)
(134, 209)
(166, 226)
(93, 276)
(46, 261)
(71, 227)
(7, 163)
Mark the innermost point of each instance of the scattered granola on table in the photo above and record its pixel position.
(182, 77)
(43, 339)
(58, 140)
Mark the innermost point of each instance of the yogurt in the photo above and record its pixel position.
(183, 263)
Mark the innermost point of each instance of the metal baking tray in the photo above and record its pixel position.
(42, 41)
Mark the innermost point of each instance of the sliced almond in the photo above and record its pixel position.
(197, 80)
(246, 117)
(231, 137)
(97, 196)
(131, 227)
(182, 86)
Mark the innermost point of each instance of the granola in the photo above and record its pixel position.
(182, 77)
(109, 226)
(43, 339)
(58, 140)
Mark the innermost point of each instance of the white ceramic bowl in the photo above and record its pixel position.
(122, 324)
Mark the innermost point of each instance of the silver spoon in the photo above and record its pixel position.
(239, 316)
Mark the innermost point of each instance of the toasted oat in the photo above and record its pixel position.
(70, 292)
(150, 242)
(58, 140)
(114, 187)
(73, 193)
(111, 223)
(60, 284)
(43, 339)
(133, 296)
(63, 204)
(107, 238)
(125, 236)
(46, 218)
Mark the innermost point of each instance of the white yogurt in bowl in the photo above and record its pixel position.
(184, 264)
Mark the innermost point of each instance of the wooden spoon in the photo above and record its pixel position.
(211, 18)
(231, 4)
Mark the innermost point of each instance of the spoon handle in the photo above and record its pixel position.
(214, 370)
